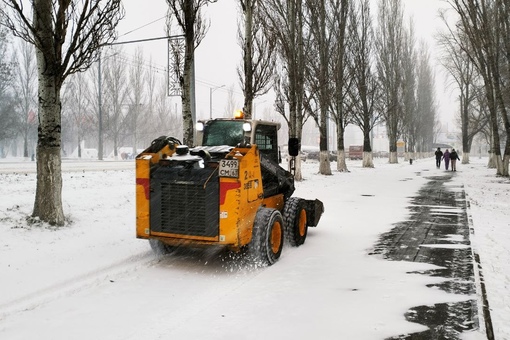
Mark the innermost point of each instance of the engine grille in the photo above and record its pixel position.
(182, 204)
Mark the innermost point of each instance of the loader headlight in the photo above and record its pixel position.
(200, 126)
(246, 127)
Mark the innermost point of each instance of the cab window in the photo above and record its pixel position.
(266, 140)
(223, 132)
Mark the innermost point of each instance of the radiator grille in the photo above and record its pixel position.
(186, 207)
(183, 209)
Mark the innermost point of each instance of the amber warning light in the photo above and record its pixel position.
(238, 114)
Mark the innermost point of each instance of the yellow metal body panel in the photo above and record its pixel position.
(143, 165)
(240, 204)
(275, 202)
(240, 199)
(142, 196)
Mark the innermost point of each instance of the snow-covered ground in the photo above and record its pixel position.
(94, 280)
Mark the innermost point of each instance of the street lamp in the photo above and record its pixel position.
(211, 90)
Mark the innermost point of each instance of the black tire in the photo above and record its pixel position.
(266, 244)
(159, 247)
(296, 225)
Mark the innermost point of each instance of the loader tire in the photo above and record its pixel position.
(294, 217)
(266, 244)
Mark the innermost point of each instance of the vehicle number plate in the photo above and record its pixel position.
(229, 168)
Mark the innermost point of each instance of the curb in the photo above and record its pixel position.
(489, 331)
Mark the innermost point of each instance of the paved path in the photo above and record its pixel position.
(437, 233)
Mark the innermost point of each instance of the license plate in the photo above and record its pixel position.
(229, 168)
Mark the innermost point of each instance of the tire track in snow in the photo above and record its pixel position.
(75, 284)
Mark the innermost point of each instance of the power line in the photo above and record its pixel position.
(136, 29)
(131, 60)
(143, 40)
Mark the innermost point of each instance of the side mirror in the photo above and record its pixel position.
(294, 146)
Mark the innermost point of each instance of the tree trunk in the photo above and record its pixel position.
(506, 160)
(298, 175)
(392, 136)
(248, 55)
(465, 158)
(491, 164)
(368, 161)
(48, 196)
(25, 143)
(116, 146)
(341, 165)
(187, 117)
(325, 165)
(79, 146)
(393, 149)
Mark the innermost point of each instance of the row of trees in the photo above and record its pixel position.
(476, 49)
(135, 105)
(306, 43)
(331, 64)
(17, 93)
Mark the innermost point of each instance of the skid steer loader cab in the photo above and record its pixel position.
(240, 132)
(228, 190)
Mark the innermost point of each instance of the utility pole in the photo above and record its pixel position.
(100, 104)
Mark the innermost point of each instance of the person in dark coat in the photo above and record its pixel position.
(446, 157)
(454, 157)
(439, 154)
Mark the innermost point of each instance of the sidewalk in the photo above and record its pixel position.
(437, 233)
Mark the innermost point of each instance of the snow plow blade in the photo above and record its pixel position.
(314, 210)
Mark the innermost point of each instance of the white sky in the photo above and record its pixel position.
(219, 54)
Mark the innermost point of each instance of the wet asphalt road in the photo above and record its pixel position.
(437, 233)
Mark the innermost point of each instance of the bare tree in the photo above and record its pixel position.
(318, 72)
(463, 72)
(94, 100)
(25, 80)
(409, 124)
(366, 89)
(486, 26)
(116, 94)
(189, 19)
(66, 35)
(285, 24)
(151, 82)
(231, 104)
(9, 121)
(136, 94)
(77, 107)
(389, 42)
(338, 19)
(478, 117)
(425, 119)
(258, 55)
(6, 67)
(168, 122)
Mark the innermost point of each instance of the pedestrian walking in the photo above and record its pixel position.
(454, 157)
(446, 157)
(439, 154)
